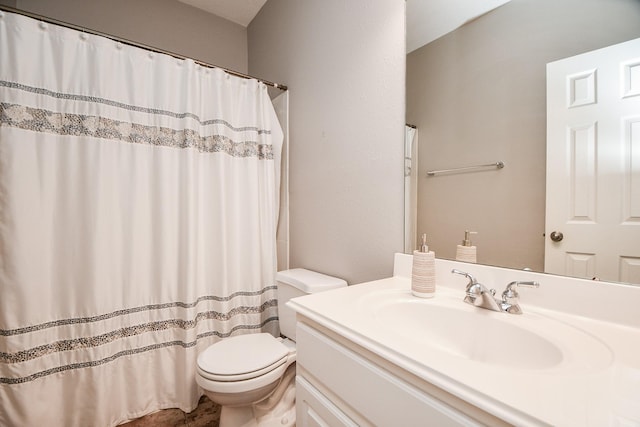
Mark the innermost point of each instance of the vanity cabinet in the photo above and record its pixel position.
(372, 354)
(341, 384)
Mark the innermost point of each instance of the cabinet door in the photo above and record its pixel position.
(313, 409)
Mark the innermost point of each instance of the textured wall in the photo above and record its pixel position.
(164, 24)
(344, 63)
(478, 95)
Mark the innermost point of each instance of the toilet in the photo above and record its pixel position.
(252, 376)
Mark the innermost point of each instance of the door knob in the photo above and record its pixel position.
(556, 236)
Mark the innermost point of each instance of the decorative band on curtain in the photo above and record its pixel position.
(138, 212)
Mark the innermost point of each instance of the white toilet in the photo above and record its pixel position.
(253, 376)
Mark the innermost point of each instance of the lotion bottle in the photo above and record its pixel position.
(466, 251)
(423, 271)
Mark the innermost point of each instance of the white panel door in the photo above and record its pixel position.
(593, 164)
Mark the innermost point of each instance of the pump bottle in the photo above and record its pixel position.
(423, 272)
(466, 251)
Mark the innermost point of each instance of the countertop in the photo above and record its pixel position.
(603, 393)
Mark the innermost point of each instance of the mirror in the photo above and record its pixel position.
(478, 96)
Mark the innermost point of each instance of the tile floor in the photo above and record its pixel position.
(207, 414)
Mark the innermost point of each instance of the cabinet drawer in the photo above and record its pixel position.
(374, 393)
(313, 409)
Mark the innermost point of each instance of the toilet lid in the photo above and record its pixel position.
(242, 355)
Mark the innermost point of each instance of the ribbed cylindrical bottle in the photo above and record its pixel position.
(423, 271)
(466, 251)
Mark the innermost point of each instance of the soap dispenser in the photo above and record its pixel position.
(466, 251)
(423, 271)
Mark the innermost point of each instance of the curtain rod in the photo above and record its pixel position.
(135, 44)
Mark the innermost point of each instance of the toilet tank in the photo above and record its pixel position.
(295, 283)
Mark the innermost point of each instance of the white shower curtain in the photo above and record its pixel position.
(138, 212)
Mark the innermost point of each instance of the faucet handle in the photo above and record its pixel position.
(472, 280)
(510, 295)
(473, 291)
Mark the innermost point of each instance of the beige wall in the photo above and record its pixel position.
(477, 96)
(345, 65)
(163, 24)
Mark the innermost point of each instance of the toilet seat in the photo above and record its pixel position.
(244, 363)
(265, 381)
(242, 357)
(243, 376)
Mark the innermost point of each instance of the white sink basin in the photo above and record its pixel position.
(448, 325)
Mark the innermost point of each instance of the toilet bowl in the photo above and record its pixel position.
(252, 376)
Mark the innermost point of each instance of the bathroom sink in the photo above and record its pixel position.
(447, 325)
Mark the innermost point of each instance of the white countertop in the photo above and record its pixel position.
(606, 393)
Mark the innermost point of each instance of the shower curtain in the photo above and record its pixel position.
(138, 211)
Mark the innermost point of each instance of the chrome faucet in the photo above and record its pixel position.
(477, 294)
